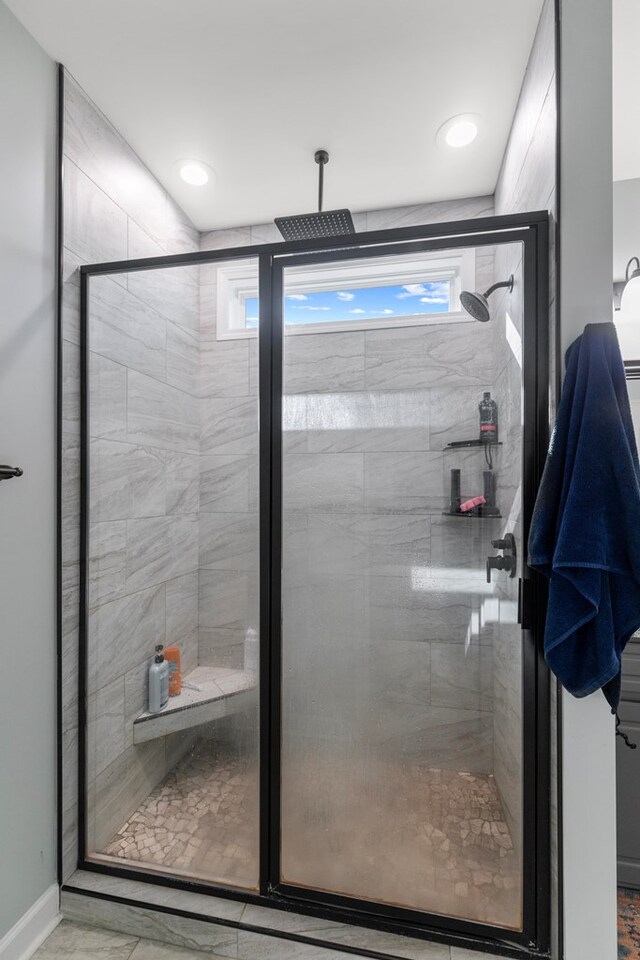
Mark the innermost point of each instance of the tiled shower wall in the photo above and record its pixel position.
(144, 457)
(363, 503)
(527, 181)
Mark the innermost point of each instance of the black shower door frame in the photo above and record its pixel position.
(531, 230)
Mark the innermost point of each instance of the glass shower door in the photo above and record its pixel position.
(401, 663)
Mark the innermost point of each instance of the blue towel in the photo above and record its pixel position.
(585, 530)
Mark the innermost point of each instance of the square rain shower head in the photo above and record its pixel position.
(312, 226)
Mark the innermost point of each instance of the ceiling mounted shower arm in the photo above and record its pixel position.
(321, 157)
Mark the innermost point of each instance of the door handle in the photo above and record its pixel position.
(7, 472)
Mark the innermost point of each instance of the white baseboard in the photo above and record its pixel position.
(33, 928)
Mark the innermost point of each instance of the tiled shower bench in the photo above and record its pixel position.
(222, 691)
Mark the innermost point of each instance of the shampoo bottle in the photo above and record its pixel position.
(172, 657)
(158, 682)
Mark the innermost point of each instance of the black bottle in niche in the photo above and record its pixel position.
(488, 409)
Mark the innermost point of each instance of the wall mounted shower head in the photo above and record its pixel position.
(476, 304)
(310, 226)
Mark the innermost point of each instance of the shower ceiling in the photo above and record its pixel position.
(233, 82)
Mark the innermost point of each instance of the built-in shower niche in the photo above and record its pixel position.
(172, 549)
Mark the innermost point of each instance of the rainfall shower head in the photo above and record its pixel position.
(476, 304)
(311, 226)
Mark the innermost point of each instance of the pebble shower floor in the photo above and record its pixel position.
(454, 849)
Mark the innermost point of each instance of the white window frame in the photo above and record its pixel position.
(238, 282)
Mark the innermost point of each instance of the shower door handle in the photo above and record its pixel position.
(7, 472)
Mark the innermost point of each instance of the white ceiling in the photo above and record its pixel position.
(254, 87)
(626, 79)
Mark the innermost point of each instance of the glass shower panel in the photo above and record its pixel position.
(401, 665)
(172, 560)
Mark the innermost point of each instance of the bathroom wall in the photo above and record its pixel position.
(27, 504)
(362, 504)
(144, 536)
(527, 181)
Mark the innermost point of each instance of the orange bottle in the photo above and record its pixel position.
(172, 656)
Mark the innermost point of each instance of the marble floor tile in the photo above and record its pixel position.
(79, 941)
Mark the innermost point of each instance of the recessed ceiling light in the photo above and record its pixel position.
(194, 172)
(459, 131)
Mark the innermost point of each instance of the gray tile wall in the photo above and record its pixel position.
(144, 459)
(366, 417)
(527, 182)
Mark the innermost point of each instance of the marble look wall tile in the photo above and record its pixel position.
(458, 545)
(229, 541)
(229, 426)
(105, 726)
(208, 303)
(159, 549)
(224, 368)
(461, 675)
(107, 398)
(404, 482)
(183, 350)
(95, 227)
(70, 387)
(180, 235)
(369, 544)
(121, 786)
(71, 295)
(387, 420)
(220, 647)
(224, 484)
(265, 233)
(220, 239)
(172, 292)
(122, 632)
(439, 212)
(319, 481)
(125, 329)
(136, 695)
(449, 738)
(161, 415)
(182, 482)
(224, 599)
(444, 355)
(126, 481)
(400, 609)
(324, 362)
(454, 414)
(107, 560)
(92, 143)
(182, 617)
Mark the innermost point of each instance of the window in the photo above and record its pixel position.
(351, 295)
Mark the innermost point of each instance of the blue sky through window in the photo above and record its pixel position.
(365, 303)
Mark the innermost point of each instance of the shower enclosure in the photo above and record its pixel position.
(283, 474)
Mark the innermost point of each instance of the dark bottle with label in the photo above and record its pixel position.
(488, 419)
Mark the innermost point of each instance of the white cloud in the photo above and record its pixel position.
(412, 290)
(297, 296)
(313, 308)
(436, 289)
(387, 311)
(342, 295)
(434, 300)
(357, 310)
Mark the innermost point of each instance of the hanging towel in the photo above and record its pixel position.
(585, 529)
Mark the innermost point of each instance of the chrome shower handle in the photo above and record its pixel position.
(7, 472)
